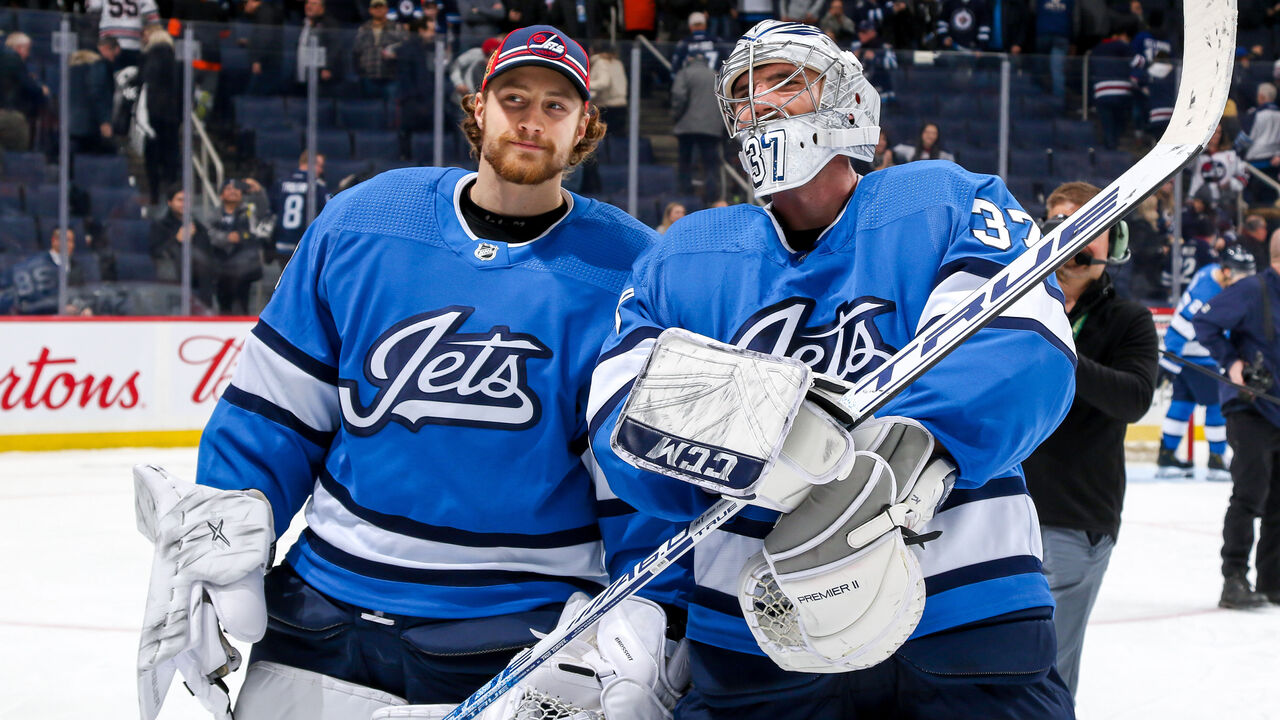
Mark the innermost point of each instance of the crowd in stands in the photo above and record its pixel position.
(935, 63)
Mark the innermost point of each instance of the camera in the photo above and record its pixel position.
(1257, 376)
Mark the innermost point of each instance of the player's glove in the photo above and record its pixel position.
(624, 668)
(837, 587)
(212, 548)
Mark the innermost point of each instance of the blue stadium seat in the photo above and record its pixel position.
(111, 203)
(656, 179)
(18, 234)
(376, 144)
(100, 169)
(1028, 162)
(965, 106)
(1111, 164)
(26, 167)
(1072, 163)
(135, 267)
(978, 158)
(235, 59)
(1073, 134)
(42, 200)
(250, 110)
(336, 170)
(333, 144)
(10, 197)
(295, 109)
(1031, 133)
(128, 235)
(272, 144)
(362, 114)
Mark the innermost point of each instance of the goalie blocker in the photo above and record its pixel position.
(836, 588)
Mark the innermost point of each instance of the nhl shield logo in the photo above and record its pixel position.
(486, 251)
(547, 45)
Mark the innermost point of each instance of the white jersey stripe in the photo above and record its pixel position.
(264, 373)
(981, 531)
(611, 375)
(1037, 305)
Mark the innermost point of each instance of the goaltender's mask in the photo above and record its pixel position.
(791, 124)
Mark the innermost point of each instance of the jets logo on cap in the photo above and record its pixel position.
(547, 45)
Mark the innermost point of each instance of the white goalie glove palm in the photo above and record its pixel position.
(212, 548)
(838, 586)
(623, 669)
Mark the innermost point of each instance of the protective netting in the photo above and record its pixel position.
(771, 610)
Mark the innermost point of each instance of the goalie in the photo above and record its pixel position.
(903, 579)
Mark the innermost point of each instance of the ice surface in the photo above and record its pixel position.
(1158, 647)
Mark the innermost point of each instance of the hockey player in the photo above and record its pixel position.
(834, 275)
(418, 382)
(1191, 388)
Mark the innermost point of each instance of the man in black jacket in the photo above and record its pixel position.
(1077, 476)
(1240, 328)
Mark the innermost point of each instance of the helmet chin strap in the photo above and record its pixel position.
(847, 137)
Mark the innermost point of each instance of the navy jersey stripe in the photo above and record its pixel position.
(1016, 323)
(628, 343)
(993, 488)
(269, 410)
(437, 533)
(716, 600)
(989, 570)
(613, 508)
(420, 576)
(288, 351)
(607, 409)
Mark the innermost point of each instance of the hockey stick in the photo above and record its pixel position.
(1252, 392)
(1202, 95)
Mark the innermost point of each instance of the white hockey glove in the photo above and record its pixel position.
(212, 548)
(623, 669)
(837, 588)
(737, 422)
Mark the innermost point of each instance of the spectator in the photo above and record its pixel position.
(751, 12)
(699, 127)
(126, 23)
(109, 49)
(609, 90)
(801, 11)
(481, 18)
(577, 18)
(467, 70)
(1221, 171)
(902, 26)
(1054, 32)
(374, 50)
(928, 146)
(1150, 248)
(699, 42)
(34, 281)
(263, 45)
(236, 257)
(1200, 217)
(1161, 90)
(1010, 26)
(1253, 237)
(722, 18)
(1092, 21)
(416, 77)
(1261, 138)
(878, 61)
(671, 213)
(289, 202)
(92, 88)
(20, 95)
(1077, 476)
(159, 110)
(327, 32)
(837, 25)
(1239, 329)
(167, 238)
(1196, 251)
(523, 13)
(964, 25)
(1112, 67)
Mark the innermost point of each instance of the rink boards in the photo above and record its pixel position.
(113, 382)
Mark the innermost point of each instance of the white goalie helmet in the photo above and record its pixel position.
(784, 148)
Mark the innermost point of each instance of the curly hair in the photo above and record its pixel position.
(584, 148)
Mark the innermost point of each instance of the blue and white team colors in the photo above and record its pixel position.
(913, 241)
(290, 205)
(1180, 338)
(427, 390)
(1191, 388)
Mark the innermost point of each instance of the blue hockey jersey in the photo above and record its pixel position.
(912, 242)
(290, 205)
(1180, 338)
(426, 390)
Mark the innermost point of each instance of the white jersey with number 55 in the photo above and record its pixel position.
(124, 20)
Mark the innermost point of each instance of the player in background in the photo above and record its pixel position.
(124, 20)
(418, 383)
(838, 272)
(1191, 388)
(289, 201)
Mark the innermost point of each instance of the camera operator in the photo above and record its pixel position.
(1239, 328)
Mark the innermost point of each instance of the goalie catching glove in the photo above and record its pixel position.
(837, 588)
(623, 669)
(212, 548)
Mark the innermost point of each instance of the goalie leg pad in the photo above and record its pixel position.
(278, 692)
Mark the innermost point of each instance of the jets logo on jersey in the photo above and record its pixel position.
(427, 372)
(847, 347)
(1213, 170)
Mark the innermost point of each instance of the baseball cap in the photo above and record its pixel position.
(697, 18)
(866, 25)
(377, 2)
(545, 46)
